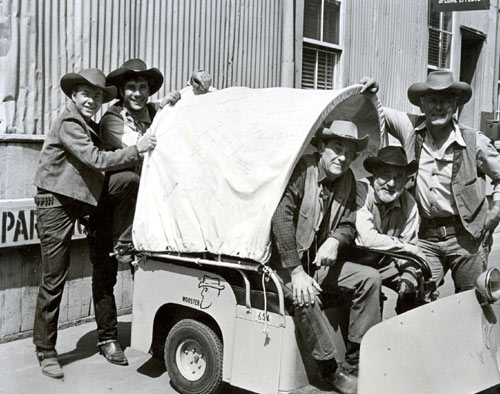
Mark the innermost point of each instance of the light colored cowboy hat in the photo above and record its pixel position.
(136, 68)
(89, 76)
(440, 82)
(341, 129)
(391, 156)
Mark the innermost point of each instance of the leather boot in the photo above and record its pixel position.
(112, 352)
(50, 364)
(342, 381)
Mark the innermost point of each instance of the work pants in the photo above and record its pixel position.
(360, 284)
(111, 223)
(465, 256)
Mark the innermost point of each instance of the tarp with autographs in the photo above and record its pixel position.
(223, 160)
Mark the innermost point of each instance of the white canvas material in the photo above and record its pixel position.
(222, 162)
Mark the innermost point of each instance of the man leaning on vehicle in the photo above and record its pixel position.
(456, 221)
(314, 220)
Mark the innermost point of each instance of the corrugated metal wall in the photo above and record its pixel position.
(237, 41)
(387, 40)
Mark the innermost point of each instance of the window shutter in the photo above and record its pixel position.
(318, 68)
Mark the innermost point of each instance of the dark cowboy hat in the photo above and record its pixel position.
(391, 156)
(440, 82)
(89, 76)
(341, 129)
(134, 68)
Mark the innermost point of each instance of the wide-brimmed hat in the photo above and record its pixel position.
(440, 82)
(134, 68)
(341, 129)
(89, 76)
(391, 156)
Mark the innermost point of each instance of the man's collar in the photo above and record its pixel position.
(141, 116)
(321, 174)
(455, 136)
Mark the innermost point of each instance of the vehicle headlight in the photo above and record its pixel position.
(488, 284)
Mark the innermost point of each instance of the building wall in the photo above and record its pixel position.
(237, 41)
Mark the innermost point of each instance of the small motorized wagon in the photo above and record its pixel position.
(207, 302)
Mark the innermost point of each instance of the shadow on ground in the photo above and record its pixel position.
(86, 345)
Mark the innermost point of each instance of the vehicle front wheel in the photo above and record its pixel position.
(193, 357)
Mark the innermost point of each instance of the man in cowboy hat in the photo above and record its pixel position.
(313, 222)
(387, 220)
(123, 124)
(456, 221)
(70, 184)
(128, 119)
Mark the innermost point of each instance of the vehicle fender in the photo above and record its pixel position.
(447, 346)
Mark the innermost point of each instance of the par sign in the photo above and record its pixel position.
(18, 223)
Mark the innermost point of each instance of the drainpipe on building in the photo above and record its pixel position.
(287, 58)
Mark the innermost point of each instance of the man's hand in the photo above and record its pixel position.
(327, 253)
(304, 287)
(491, 220)
(146, 142)
(369, 85)
(171, 98)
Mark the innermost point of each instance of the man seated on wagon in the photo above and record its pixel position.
(387, 220)
(313, 222)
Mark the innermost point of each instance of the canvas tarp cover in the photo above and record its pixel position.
(223, 160)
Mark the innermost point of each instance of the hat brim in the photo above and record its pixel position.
(461, 89)
(372, 162)
(70, 80)
(153, 75)
(361, 143)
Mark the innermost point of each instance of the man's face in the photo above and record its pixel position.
(88, 99)
(135, 93)
(336, 156)
(438, 108)
(389, 182)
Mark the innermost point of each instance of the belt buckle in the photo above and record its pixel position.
(442, 232)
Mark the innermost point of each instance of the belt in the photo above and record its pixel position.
(441, 228)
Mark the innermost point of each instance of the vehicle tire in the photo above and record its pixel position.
(193, 357)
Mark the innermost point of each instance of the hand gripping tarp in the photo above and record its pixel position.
(223, 160)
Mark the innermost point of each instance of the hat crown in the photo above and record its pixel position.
(393, 155)
(94, 76)
(134, 65)
(342, 128)
(440, 79)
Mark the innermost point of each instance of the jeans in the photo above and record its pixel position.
(55, 228)
(111, 223)
(464, 255)
(361, 284)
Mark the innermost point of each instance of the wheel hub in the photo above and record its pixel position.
(190, 359)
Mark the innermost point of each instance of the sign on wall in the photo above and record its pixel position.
(459, 5)
(18, 223)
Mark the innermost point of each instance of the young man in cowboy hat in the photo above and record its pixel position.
(456, 221)
(128, 119)
(313, 222)
(70, 184)
(387, 220)
(123, 124)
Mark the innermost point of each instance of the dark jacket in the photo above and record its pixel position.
(71, 162)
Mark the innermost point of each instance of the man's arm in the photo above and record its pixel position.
(398, 124)
(488, 161)
(76, 141)
(283, 227)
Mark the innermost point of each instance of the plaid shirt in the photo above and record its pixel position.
(284, 222)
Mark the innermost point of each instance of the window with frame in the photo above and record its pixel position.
(440, 36)
(321, 44)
